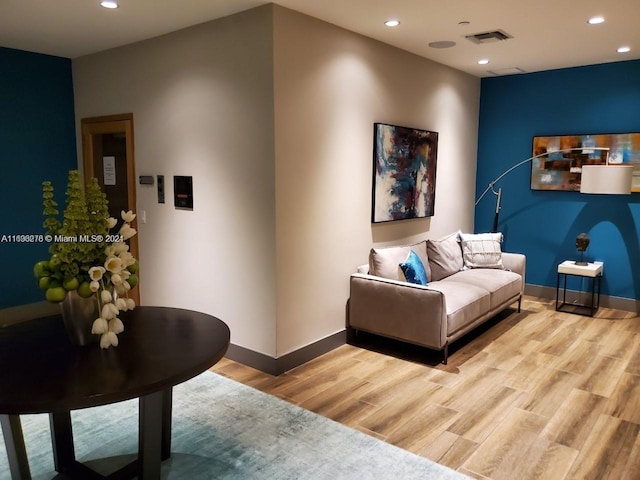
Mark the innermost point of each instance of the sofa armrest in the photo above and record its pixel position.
(516, 262)
(401, 310)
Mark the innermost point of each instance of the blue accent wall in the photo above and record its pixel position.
(544, 224)
(37, 143)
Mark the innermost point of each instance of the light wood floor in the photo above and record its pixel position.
(534, 395)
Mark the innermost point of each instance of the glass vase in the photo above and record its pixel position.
(78, 314)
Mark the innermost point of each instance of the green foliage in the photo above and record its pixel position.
(83, 217)
(50, 211)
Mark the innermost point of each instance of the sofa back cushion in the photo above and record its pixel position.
(445, 256)
(385, 261)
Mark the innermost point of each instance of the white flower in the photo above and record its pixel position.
(94, 286)
(126, 286)
(131, 304)
(113, 264)
(127, 258)
(116, 279)
(125, 274)
(99, 326)
(95, 273)
(127, 216)
(120, 289)
(107, 339)
(121, 304)
(116, 325)
(109, 311)
(111, 222)
(110, 250)
(106, 297)
(120, 247)
(127, 232)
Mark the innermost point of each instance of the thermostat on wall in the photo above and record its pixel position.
(183, 192)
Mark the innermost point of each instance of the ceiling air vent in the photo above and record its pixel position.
(488, 37)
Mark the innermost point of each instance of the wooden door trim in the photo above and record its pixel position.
(113, 124)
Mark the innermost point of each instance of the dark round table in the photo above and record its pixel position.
(41, 372)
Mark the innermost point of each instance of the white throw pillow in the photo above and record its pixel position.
(481, 250)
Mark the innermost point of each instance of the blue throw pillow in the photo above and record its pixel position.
(413, 269)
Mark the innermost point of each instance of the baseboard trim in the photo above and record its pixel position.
(22, 313)
(277, 366)
(606, 301)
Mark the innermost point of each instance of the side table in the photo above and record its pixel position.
(593, 271)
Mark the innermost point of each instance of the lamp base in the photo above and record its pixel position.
(582, 264)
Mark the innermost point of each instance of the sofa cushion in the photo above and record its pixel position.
(464, 303)
(502, 284)
(385, 261)
(413, 269)
(481, 250)
(445, 256)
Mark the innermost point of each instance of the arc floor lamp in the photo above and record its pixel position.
(609, 179)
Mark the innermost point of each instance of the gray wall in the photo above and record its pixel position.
(272, 113)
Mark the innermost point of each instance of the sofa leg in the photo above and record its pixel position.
(445, 353)
(519, 303)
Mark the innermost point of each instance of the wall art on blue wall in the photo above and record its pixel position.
(562, 170)
(404, 173)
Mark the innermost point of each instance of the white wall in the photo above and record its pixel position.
(202, 100)
(272, 113)
(331, 85)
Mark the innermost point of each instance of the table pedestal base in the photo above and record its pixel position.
(154, 443)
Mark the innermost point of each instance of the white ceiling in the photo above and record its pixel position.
(547, 34)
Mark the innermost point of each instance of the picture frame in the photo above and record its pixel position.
(562, 170)
(404, 172)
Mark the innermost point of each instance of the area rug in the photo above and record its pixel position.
(225, 430)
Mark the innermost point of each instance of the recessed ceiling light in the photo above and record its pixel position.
(596, 20)
(392, 23)
(624, 49)
(483, 61)
(109, 4)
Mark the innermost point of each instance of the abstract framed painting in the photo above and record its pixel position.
(404, 172)
(563, 170)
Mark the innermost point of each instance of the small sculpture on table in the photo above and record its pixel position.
(582, 242)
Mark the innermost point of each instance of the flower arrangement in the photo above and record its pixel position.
(86, 258)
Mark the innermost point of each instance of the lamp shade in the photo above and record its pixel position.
(606, 179)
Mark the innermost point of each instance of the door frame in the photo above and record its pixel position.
(121, 123)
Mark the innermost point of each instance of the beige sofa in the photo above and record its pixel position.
(469, 281)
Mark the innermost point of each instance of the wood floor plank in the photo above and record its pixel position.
(625, 401)
(422, 428)
(608, 450)
(394, 413)
(578, 359)
(529, 373)
(574, 420)
(348, 390)
(561, 341)
(515, 450)
(484, 381)
(619, 345)
(487, 412)
(551, 393)
(532, 395)
(633, 366)
(449, 449)
(632, 468)
(602, 376)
